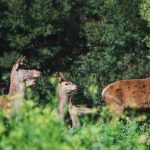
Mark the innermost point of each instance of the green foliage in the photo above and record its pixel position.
(34, 128)
(145, 12)
(114, 42)
(40, 128)
(95, 42)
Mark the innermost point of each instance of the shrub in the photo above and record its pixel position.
(38, 128)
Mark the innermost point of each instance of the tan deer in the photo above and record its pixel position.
(64, 88)
(127, 94)
(20, 78)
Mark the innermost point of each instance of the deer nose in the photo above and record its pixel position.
(40, 73)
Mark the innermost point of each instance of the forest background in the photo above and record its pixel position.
(93, 42)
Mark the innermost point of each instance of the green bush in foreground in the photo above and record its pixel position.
(40, 129)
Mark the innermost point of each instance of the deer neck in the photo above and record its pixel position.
(16, 85)
(63, 98)
(17, 88)
(17, 93)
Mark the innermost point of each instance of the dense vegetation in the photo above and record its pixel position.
(41, 129)
(95, 42)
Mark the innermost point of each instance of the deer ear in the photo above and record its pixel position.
(19, 62)
(22, 59)
(60, 77)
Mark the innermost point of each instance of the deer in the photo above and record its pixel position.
(64, 88)
(20, 78)
(133, 93)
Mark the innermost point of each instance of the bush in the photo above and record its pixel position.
(39, 128)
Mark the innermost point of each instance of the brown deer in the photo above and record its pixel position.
(20, 78)
(64, 100)
(127, 94)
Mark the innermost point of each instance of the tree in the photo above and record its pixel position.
(114, 33)
(96, 42)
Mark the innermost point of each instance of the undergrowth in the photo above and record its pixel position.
(40, 128)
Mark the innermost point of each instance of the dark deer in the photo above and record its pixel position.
(20, 79)
(64, 88)
(127, 94)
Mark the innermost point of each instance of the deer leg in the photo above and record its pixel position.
(74, 116)
(115, 103)
(61, 111)
(84, 110)
(117, 109)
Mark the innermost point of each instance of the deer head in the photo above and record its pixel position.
(65, 86)
(21, 75)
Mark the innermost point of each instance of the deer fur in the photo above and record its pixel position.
(127, 94)
(20, 79)
(64, 88)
